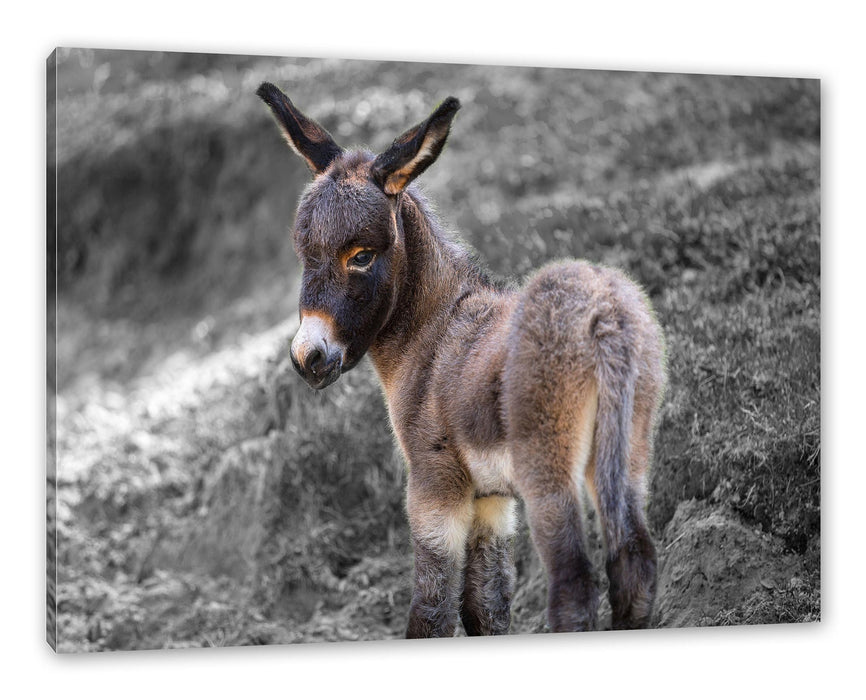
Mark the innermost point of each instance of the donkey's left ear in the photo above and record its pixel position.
(308, 139)
(413, 152)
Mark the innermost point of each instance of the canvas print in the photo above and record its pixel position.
(350, 350)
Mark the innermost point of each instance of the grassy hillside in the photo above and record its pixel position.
(206, 496)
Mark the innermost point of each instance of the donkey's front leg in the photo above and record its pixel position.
(440, 516)
(489, 576)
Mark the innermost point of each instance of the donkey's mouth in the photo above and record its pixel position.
(319, 383)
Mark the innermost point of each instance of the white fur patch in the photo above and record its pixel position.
(447, 532)
(497, 513)
(456, 531)
(491, 469)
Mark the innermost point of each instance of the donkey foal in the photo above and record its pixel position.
(492, 393)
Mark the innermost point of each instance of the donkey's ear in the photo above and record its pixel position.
(306, 137)
(413, 152)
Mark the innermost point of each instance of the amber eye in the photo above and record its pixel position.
(362, 259)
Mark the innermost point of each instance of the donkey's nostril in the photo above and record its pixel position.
(314, 361)
(318, 368)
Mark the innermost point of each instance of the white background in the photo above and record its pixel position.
(820, 40)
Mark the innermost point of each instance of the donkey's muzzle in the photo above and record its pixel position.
(318, 367)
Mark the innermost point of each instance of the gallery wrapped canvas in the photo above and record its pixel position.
(201, 493)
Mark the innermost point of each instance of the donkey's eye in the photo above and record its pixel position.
(361, 259)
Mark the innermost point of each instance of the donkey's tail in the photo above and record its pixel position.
(616, 376)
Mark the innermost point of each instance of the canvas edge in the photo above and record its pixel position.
(50, 350)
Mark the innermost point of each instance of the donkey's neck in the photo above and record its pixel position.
(437, 273)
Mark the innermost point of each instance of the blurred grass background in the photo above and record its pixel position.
(205, 496)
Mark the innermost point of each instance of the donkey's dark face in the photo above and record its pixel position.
(347, 238)
(348, 235)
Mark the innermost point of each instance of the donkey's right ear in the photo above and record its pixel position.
(308, 139)
(414, 151)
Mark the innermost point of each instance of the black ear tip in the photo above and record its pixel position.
(451, 104)
(269, 92)
(445, 111)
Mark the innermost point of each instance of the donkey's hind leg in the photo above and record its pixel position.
(547, 460)
(489, 576)
(555, 521)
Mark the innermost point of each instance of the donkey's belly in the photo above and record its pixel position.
(490, 469)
